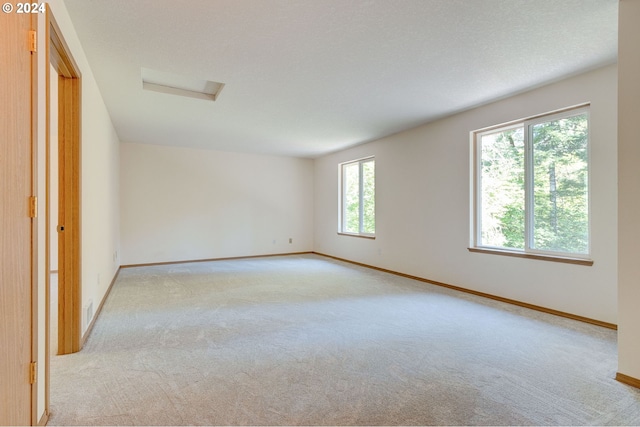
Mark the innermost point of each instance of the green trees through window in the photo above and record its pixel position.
(502, 195)
(358, 197)
(532, 185)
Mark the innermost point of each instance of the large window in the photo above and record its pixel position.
(358, 197)
(532, 185)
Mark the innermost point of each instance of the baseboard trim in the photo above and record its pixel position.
(45, 419)
(99, 310)
(151, 264)
(626, 379)
(483, 294)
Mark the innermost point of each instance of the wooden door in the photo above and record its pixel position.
(69, 206)
(16, 235)
(69, 314)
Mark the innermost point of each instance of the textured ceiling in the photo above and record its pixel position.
(307, 77)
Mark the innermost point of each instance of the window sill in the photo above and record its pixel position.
(362, 236)
(566, 260)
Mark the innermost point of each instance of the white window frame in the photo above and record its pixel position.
(342, 208)
(476, 190)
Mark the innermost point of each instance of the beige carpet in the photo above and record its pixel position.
(307, 340)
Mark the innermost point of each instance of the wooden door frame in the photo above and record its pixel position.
(69, 147)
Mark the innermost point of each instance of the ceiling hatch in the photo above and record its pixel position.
(174, 84)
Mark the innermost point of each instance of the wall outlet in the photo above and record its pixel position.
(290, 240)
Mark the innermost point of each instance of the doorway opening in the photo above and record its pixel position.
(62, 167)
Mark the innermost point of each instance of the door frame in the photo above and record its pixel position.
(69, 172)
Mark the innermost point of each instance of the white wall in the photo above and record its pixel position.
(629, 189)
(99, 184)
(423, 205)
(188, 204)
(100, 199)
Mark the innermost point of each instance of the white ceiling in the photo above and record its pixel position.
(307, 77)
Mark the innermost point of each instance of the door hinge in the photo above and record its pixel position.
(33, 207)
(33, 372)
(33, 41)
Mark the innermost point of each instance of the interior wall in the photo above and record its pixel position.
(423, 204)
(629, 188)
(100, 200)
(189, 204)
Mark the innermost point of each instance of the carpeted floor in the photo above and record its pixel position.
(307, 340)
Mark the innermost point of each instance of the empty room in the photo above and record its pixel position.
(323, 212)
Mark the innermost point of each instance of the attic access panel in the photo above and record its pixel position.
(174, 84)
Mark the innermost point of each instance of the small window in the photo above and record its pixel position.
(358, 197)
(532, 185)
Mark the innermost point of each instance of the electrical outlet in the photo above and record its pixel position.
(290, 240)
